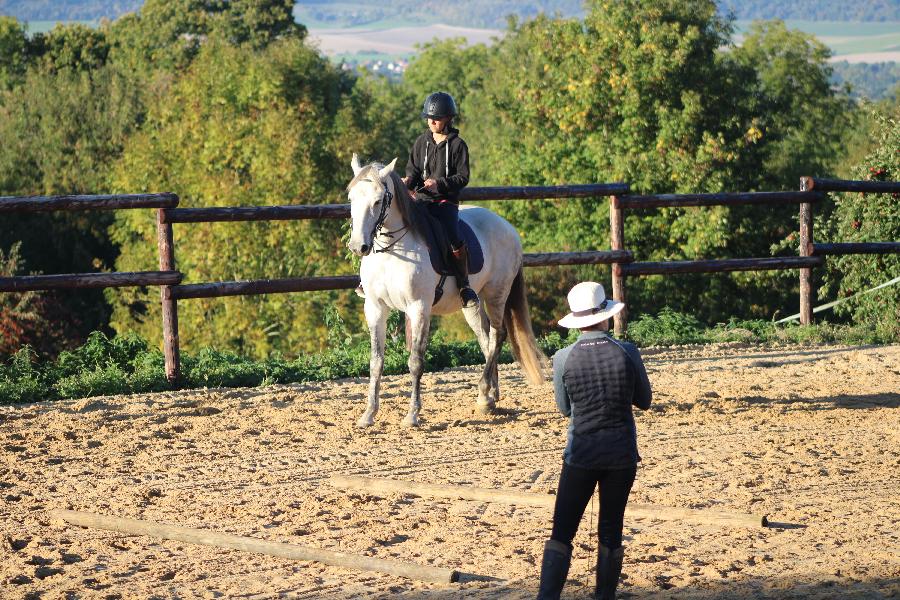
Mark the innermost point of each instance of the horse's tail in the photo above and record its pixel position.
(517, 320)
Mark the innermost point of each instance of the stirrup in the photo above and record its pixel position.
(360, 291)
(469, 299)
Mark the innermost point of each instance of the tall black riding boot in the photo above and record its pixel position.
(554, 570)
(461, 267)
(609, 567)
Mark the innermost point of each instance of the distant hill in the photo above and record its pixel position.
(67, 10)
(813, 10)
(493, 14)
(490, 14)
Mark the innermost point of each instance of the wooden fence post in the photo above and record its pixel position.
(166, 244)
(806, 249)
(617, 242)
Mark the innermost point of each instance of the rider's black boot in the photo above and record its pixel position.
(609, 567)
(554, 570)
(461, 267)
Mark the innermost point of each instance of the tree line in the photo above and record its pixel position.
(467, 13)
(873, 81)
(67, 10)
(227, 104)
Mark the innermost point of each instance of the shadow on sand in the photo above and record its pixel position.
(796, 587)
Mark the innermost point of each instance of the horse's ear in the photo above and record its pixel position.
(387, 170)
(354, 164)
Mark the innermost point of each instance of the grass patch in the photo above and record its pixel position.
(126, 364)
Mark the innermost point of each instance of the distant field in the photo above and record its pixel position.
(350, 12)
(395, 42)
(393, 38)
(847, 38)
(855, 42)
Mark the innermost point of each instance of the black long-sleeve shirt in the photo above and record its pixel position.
(447, 163)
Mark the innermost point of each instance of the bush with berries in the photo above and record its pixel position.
(861, 217)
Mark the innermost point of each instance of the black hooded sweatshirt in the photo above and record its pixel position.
(447, 163)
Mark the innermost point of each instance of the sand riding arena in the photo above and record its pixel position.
(808, 437)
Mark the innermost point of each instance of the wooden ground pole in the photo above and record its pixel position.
(248, 544)
(665, 513)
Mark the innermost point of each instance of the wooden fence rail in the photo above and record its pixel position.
(809, 184)
(730, 199)
(25, 283)
(722, 265)
(348, 282)
(856, 248)
(622, 260)
(342, 211)
(73, 203)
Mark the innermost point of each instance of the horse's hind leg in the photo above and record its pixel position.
(418, 316)
(488, 389)
(376, 318)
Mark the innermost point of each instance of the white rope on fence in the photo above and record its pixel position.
(842, 300)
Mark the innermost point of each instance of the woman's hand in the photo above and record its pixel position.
(430, 185)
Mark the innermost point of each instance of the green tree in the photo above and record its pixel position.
(636, 113)
(62, 132)
(168, 34)
(652, 93)
(245, 127)
(75, 47)
(795, 102)
(164, 34)
(14, 51)
(257, 22)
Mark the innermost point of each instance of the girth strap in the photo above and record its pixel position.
(439, 290)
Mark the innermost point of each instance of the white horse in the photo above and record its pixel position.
(396, 274)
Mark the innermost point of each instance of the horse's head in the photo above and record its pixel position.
(370, 200)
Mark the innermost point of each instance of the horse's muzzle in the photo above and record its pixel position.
(361, 250)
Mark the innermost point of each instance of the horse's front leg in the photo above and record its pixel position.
(418, 316)
(376, 318)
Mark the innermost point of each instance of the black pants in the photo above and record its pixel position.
(448, 214)
(576, 486)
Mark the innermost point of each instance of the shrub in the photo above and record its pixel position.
(667, 328)
(21, 380)
(870, 218)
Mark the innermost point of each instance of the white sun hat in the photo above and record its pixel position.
(589, 306)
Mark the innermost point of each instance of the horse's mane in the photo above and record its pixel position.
(410, 213)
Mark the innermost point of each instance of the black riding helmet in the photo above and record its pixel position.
(439, 105)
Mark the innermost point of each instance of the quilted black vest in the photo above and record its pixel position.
(600, 377)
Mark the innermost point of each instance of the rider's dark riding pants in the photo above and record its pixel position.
(576, 486)
(448, 214)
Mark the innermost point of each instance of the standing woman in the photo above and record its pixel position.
(596, 381)
(438, 168)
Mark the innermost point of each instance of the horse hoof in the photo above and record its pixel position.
(411, 421)
(486, 409)
(365, 422)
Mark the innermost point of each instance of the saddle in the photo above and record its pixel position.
(439, 245)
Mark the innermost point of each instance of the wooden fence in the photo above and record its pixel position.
(622, 260)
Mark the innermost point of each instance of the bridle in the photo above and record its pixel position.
(386, 201)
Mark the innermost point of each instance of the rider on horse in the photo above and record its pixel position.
(438, 168)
